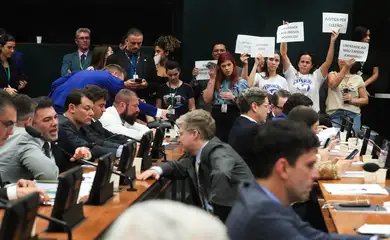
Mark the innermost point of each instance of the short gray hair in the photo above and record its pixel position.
(249, 96)
(6, 101)
(80, 30)
(166, 220)
(200, 120)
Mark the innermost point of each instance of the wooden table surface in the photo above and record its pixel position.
(346, 222)
(98, 218)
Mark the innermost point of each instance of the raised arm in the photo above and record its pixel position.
(244, 59)
(329, 57)
(258, 60)
(285, 60)
(208, 94)
(334, 79)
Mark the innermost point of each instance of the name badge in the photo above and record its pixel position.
(135, 76)
(224, 108)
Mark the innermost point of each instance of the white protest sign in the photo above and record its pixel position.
(291, 32)
(204, 71)
(254, 45)
(351, 49)
(334, 22)
(263, 45)
(243, 44)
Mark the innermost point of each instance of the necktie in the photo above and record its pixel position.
(46, 149)
(82, 62)
(132, 66)
(200, 189)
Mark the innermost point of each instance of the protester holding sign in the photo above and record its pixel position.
(307, 80)
(269, 80)
(346, 93)
(223, 88)
(369, 69)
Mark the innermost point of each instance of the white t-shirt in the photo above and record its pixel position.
(271, 85)
(307, 84)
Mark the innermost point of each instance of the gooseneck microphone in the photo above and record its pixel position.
(37, 134)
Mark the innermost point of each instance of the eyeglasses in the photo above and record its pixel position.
(8, 124)
(280, 107)
(84, 38)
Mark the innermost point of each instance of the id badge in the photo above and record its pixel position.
(135, 76)
(224, 108)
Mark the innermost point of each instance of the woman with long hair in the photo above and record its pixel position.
(100, 54)
(223, 88)
(346, 93)
(307, 79)
(270, 79)
(164, 49)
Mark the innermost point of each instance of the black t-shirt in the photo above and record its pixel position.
(369, 64)
(177, 97)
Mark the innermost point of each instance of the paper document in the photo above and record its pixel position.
(353, 174)
(355, 189)
(51, 187)
(381, 229)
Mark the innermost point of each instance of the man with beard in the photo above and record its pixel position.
(120, 118)
(79, 113)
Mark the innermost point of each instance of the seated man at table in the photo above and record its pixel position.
(7, 122)
(285, 174)
(96, 131)
(296, 99)
(121, 117)
(216, 170)
(71, 135)
(253, 104)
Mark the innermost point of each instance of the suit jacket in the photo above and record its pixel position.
(256, 216)
(221, 172)
(241, 137)
(3, 193)
(98, 133)
(22, 158)
(70, 138)
(72, 61)
(15, 74)
(145, 69)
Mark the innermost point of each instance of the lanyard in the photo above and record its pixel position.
(131, 62)
(82, 66)
(7, 71)
(174, 93)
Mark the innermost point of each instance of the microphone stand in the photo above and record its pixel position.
(153, 147)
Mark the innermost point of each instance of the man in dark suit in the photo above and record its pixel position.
(81, 59)
(253, 104)
(7, 122)
(285, 173)
(215, 169)
(277, 100)
(96, 131)
(137, 66)
(78, 113)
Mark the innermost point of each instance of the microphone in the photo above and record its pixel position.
(343, 127)
(161, 124)
(37, 134)
(50, 219)
(371, 167)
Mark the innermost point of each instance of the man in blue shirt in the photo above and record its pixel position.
(111, 78)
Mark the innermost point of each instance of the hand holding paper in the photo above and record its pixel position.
(244, 58)
(335, 35)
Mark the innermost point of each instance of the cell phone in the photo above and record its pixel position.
(362, 205)
(352, 154)
(138, 80)
(327, 142)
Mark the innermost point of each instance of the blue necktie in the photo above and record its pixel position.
(132, 66)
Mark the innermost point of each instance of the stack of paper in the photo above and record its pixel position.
(353, 174)
(375, 229)
(353, 189)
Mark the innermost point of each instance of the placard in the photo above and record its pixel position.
(290, 32)
(254, 45)
(204, 71)
(334, 22)
(351, 49)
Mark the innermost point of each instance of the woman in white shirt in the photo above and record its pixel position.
(307, 80)
(269, 80)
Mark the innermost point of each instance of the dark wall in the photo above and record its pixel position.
(206, 22)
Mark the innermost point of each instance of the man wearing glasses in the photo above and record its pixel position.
(277, 101)
(7, 123)
(81, 59)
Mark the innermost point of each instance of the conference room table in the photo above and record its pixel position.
(348, 222)
(99, 218)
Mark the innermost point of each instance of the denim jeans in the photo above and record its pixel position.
(356, 119)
